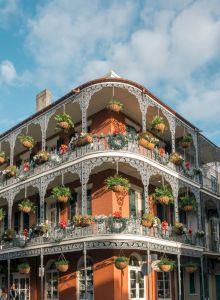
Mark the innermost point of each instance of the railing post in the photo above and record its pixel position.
(9, 273)
(148, 273)
(179, 278)
(85, 268)
(42, 274)
(203, 283)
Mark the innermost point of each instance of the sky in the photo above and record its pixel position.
(172, 47)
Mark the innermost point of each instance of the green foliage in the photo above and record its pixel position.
(121, 259)
(188, 200)
(26, 203)
(117, 102)
(148, 137)
(64, 118)
(80, 220)
(164, 190)
(61, 191)
(187, 138)
(117, 180)
(2, 213)
(167, 261)
(157, 120)
(148, 217)
(11, 169)
(61, 262)
(23, 265)
(24, 138)
(191, 264)
(179, 226)
(3, 155)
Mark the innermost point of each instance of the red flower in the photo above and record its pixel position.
(26, 167)
(117, 214)
(25, 232)
(164, 225)
(187, 164)
(190, 231)
(62, 225)
(161, 152)
(63, 149)
(116, 132)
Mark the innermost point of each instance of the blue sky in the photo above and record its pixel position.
(171, 47)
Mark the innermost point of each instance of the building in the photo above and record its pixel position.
(112, 144)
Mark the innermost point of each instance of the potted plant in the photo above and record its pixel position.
(2, 214)
(166, 264)
(26, 206)
(179, 228)
(62, 265)
(188, 203)
(82, 221)
(39, 230)
(164, 194)
(62, 193)
(10, 171)
(117, 183)
(191, 267)
(8, 235)
(158, 124)
(200, 234)
(3, 157)
(41, 157)
(117, 223)
(186, 141)
(147, 220)
(64, 121)
(176, 158)
(27, 141)
(147, 141)
(24, 268)
(115, 105)
(121, 262)
(84, 139)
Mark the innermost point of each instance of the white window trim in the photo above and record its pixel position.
(17, 275)
(136, 268)
(78, 271)
(48, 270)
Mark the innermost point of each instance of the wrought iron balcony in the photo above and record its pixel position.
(211, 185)
(99, 144)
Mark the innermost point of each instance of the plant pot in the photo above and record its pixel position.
(165, 268)
(164, 200)
(146, 223)
(27, 144)
(178, 231)
(62, 268)
(114, 107)
(63, 199)
(26, 209)
(84, 141)
(24, 270)
(144, 143)
(190, 269)
(175, 160)
(64, 125)
(119, 189)
(187, 208)
(121, 265)
(86, 223)
(11, 174)
(160, 127)
(185, 145)
(2, 160)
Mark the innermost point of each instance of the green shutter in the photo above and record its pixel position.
(132, 208)
(72, 207)
(26, 221)
(89, 202)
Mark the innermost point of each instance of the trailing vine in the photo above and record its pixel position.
(117, 141)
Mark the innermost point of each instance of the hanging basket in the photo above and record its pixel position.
(64, 125)
(191, 269)
(25, 209)
(176, 159)
(159, 127)
(185, 145)
(121, 263)
(88, 139)
(164, 200)
(63, 199)
(62, 264)
(27, 144)
(2, 160)
(166, 268)
(188, 208)
(119, 189)
(24, 268)
(146, 144)
(114, 107)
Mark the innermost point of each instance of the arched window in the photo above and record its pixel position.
(136, 279)
(51, 282)
(82, 279)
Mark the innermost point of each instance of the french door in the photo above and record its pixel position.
(22, 283)
(137, 284)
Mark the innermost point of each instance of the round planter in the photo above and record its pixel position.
(119, 189)
(2, 160)
(26, 209)
(114, 107)
(160, 127)
(165, 268)
(121, 265)
(27, 144)
(63, 199)
(64, 125)
(164, 200)
(146, 223)
(24, 270)
(62, 268)
(144, 143)
(190, 269)
(185, 145)
(176, 160)
(187, 208)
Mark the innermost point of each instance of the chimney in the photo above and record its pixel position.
(43, 99)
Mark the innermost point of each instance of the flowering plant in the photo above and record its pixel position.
(10, 171)
(161, 152)
(164, 225)
(63, 149)
(62, 225)
(41, 156)
(149, 137)
(64, 118)
(156, 222)
(117, 215)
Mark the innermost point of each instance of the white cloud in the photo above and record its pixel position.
(7, 72)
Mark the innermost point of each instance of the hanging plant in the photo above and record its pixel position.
(85, 138)
(62, 264)
(176, 158)
(2, 214)
(179, 228)
(166, 264)
(147, 220)
(147, 141)
(27, 141)
(64, 121)
(188, 203)
(62, 193)
(158, 124)
(3, 157)
(117, 223)
(24, 268)
(191, 267)
(121, 262)
(115, 105)
(8, 235)
(26, 206)
(186, 141)
(39, 230)
(82, 221)
(41, 157)
(117, 184)
(117, 141)
(164, 195)
(10, 171)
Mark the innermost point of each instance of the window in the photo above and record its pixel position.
(22, 283)
(213, 184)
(192, 286)
(89, 202)
(163, 286)
(135, 203)
(51, 283)
(72, 207)
(85, 279)
(136, 279)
